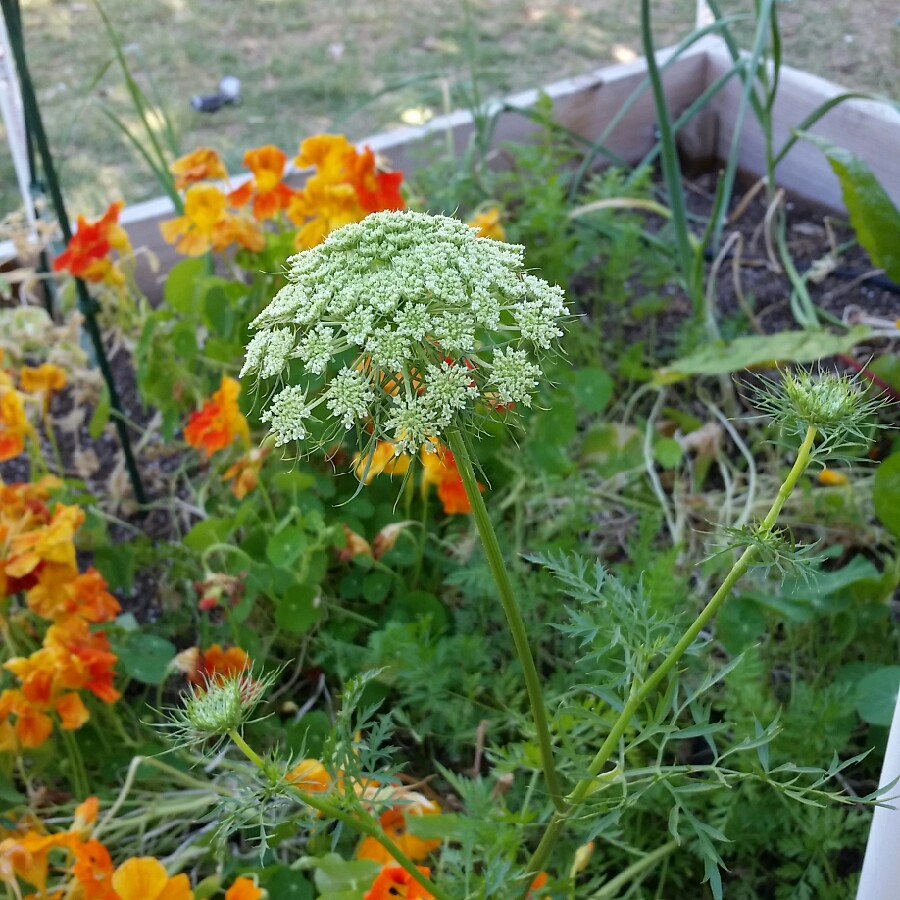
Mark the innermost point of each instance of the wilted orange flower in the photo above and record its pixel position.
(145, 878)
(84, 658)
(243, 889)
(394, 881)
(219, 421)
(439, 468)
(88, 253)
(488, 223)
(393, 822)
(384, 461)
(46, 379)
(51, 544)
(268, 192)
(14, 424)
(539, 881)
(200, 165)
(85, 814)
(217, 587)
(244, 473)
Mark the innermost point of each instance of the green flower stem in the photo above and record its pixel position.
(511, 609)
(79, 779)
(639, 694)
(361, 821)
(637, 869)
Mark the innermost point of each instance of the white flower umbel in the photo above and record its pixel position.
(405, 322)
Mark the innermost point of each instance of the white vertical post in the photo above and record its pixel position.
(14, 121)
(880, 879)
(704, 14)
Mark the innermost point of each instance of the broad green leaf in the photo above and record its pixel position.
(336, 874)
(283, 883)
(298, 609)
(876, 695)
(208, 532)
(873, 215)
(886, 493)
(145, 657)
(762, 351)
(183, 284)
(593, 389)
(284, 548)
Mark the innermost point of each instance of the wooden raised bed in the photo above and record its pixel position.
(586, 105)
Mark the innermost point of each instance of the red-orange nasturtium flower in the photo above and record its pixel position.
(14, 424)
(393, 882)
(393, 822)
(377, 191)
(61, 592)
(145, 878)
(201, 164)
(243, 889)
(215, 662)
(439, 468)
(268, 193)
(219, 421)
(219, 589)
(88, 254)
(93, 870)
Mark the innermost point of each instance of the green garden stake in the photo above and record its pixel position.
(87, 304)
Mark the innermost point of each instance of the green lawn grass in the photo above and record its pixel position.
(359, 66)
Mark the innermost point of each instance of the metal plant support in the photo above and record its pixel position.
(87, 305)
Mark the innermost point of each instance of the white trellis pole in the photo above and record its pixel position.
(14, 121)
(704, 14)
(880, 879)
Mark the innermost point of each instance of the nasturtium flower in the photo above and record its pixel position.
(27, 856)
(145, 878)
(201, 164)
(488, 224)
(43, 379)
(439, 468)
(267, 192)
(208, 225)
(410, 298)
(384, 459)
(93, 870)
(219, 422)
(215, 663)
(377, 191)
(52, 543)
(87, 255)
(833, 478)
(394, 823)
(310, 776)
(243, 889)
(244, 473)
(320, 208)
(61, 591)
(14, 424)
(394, 882)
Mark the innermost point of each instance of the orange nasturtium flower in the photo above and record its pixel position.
(14, 424)
(310, 776)
(27, 856)
(202, 164)
(145, 878)
(44, 379)
(320, 208)
(243, 889)
(88, 253)
(393, 822)
(207, 225)
(93, 870)
(395, 882)
(488, 224)
(219, 421)
(384, 461)
(212, 664)
(268, 192)
(439, 468)
(244, 474)
(833, 478)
